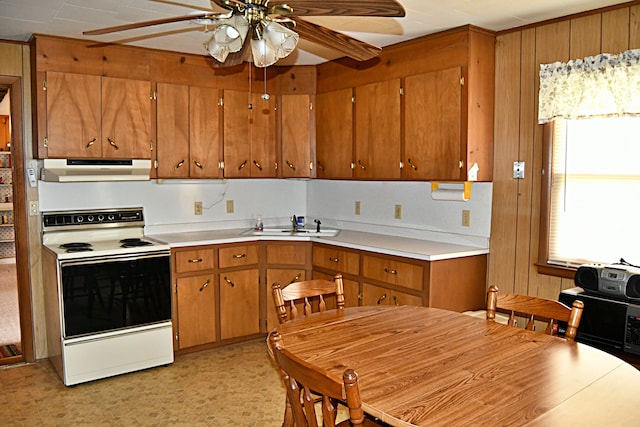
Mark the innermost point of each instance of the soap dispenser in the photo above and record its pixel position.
(259, 223)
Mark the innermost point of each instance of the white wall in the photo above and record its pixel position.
(168, 206)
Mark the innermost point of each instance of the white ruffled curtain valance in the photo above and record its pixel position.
(597, 86)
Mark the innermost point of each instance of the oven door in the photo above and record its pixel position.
(115, 292)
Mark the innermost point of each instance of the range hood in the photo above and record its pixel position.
(83, 170)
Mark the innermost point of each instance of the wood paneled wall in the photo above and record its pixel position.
(515, 214)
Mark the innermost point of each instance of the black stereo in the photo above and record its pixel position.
(615, 280)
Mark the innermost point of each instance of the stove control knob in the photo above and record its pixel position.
(79, 218)
(100, 218)
(111, 217)
(90, 218)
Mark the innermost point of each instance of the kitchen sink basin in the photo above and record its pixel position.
(324, 232)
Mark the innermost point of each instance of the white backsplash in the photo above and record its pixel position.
(169, 206)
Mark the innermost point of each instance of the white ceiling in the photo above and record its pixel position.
(21, 18)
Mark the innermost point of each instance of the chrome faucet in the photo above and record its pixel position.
(294, 223)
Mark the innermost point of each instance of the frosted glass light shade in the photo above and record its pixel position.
(263, 55)
(227, 37)
(281, 39)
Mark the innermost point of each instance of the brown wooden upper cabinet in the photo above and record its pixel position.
(296, 119)
(91, 116)
(188, 132)
(249, 135)
(377, 130)
(334, 134)
(433, 124)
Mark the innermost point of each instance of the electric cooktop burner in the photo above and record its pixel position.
(76, 247)
(134, 242)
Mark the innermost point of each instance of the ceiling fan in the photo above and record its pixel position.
(263, 31)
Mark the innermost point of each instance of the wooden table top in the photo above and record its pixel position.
(426, 366)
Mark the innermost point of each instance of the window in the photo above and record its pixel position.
(594, 191)
(591, 111)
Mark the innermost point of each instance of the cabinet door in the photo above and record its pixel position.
(73, 115)
(379, 295)
(393, 271)
(205, 142)
(351, 289)
(263, 136)
(239, 303)
(126, 118)
(173, 130)
(334, 134)
(196, 311)
(336, 260)
(249, 136)
(295, 113)
(433, 114)
(284, 276)
(194, 260)
(377, 130)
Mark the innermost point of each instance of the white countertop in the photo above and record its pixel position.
(384, 244)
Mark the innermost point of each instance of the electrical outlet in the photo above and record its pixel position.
(33, 209)
(197, 208)
(466, 217)
(229, 206)
(357, 208)
(398, 212)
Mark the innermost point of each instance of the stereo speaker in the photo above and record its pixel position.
(587, 278)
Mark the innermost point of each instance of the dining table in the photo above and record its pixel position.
(422, 366)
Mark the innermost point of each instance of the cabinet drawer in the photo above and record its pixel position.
(238, 256)
(392, 271)
(194, 260)
(287, 254)
(336, 260)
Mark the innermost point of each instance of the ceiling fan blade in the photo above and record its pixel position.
(207, 16)
(389, 8)
(353, 48)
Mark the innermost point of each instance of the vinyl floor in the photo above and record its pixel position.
(235, 385)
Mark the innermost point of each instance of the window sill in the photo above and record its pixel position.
(556, 270)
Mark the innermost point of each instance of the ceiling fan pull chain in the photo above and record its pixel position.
(265, 95)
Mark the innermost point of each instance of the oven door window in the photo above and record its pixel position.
(102, 295)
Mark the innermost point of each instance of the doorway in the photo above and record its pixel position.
(10, 336)
(15, 283)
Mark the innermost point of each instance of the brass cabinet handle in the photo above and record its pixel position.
(414, 167)
(295, 279)
(334, 259)
(238, 256)
(197, 163)
(204, 285)
(320, 166)
(395, 300)
(242, 165)
(362, 166)
(229, 282)
(194, 260)
(180, 163)
(290, 165)
(386, 270)
(255, 162)
(113, 143)
(382, 298)
(90, 143)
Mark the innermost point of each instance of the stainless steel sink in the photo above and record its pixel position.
(324, 232)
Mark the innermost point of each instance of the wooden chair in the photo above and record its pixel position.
(311, 292)
(300, 378)
(534, 308)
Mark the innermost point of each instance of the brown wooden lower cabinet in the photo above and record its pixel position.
(196, 304)
(223, 292)
(239, 303)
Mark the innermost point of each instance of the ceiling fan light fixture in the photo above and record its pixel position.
(280, 38)
(227, 37)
